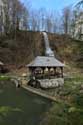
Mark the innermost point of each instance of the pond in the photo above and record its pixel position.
(20, 107)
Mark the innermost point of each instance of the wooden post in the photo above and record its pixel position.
(62, 72)
(49, 72)
(43, 68)
(32, 71)
(55, 71)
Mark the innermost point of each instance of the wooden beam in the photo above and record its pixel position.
(55, 71)
(62, 72)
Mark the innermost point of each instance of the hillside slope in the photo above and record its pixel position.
(22, 48)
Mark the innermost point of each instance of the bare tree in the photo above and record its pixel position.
(48, 24)
(14, 12)
(33, 21)
(66, 20)
(1, 18)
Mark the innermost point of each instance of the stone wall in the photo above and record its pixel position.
(51, 83)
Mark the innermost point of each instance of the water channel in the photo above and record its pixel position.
(20, 107)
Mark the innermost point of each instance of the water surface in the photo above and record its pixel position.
(20, 107)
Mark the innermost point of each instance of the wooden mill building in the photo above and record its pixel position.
(43, 67)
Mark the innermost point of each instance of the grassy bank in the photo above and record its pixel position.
(70, 110)
(4, 78)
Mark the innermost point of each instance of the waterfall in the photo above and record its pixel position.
(48, 51)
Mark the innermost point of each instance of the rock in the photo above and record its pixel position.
(51, 83)
(24, 75)
(82, 86)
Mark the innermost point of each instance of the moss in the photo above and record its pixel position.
(6, 110)
(4, 78)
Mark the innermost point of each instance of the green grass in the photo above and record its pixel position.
(70, 110)
(4, 78)
(5, 110)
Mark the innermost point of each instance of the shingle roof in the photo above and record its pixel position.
(43, 61)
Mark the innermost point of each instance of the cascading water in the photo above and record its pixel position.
(48, 51)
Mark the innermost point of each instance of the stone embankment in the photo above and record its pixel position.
(51, 83)
(40, 93)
